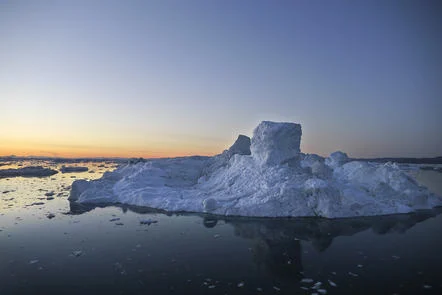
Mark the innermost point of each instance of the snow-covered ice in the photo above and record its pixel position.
(265, 176)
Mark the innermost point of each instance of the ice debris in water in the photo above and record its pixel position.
(70, 169)
(333, 284)
(148, 221)
(266, 175)
(30, 171)
(77, 253)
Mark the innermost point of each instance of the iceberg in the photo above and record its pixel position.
(265, 176)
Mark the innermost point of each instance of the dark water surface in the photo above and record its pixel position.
(93, 250)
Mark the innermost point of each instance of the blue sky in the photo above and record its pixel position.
(158, 78)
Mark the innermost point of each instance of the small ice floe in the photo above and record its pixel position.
(259, 289)
(240, 284)
(114, 219)
(70, 169)
(50, 215)
(360, 265)
(211, 286)
(305, 288)
(37, 204)
(77, 253)
(333, 284)
(307, 280)
(217, 236)
(148, 221)
(353, 274)
(276, 288)
(427, 286)
(317, 285)
(30, 171)
(395, 257)
(34, 261)
(119, 268)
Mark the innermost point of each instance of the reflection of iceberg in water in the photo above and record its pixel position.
(277, 243)
(278, 247)
(321, 232)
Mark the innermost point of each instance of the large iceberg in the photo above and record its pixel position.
(266, 176)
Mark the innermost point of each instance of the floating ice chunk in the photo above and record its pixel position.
(37, 204)
(77, 253)
(34, 261)
(333, 284)
(307, 280)
(353, 274)
(31, 171)
(275, 143)
(70, 169)
(148, 221)
(317, 285)
(240, 284)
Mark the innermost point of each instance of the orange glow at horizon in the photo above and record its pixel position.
(96, 151)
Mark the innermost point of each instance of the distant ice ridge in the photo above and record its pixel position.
(265, 176)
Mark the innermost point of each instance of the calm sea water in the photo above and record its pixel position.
(114, 250)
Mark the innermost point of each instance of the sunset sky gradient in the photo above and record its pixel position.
(169, 78)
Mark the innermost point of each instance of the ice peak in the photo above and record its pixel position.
(275, 142)
(240, 147)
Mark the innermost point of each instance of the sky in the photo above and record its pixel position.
(175, 78)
